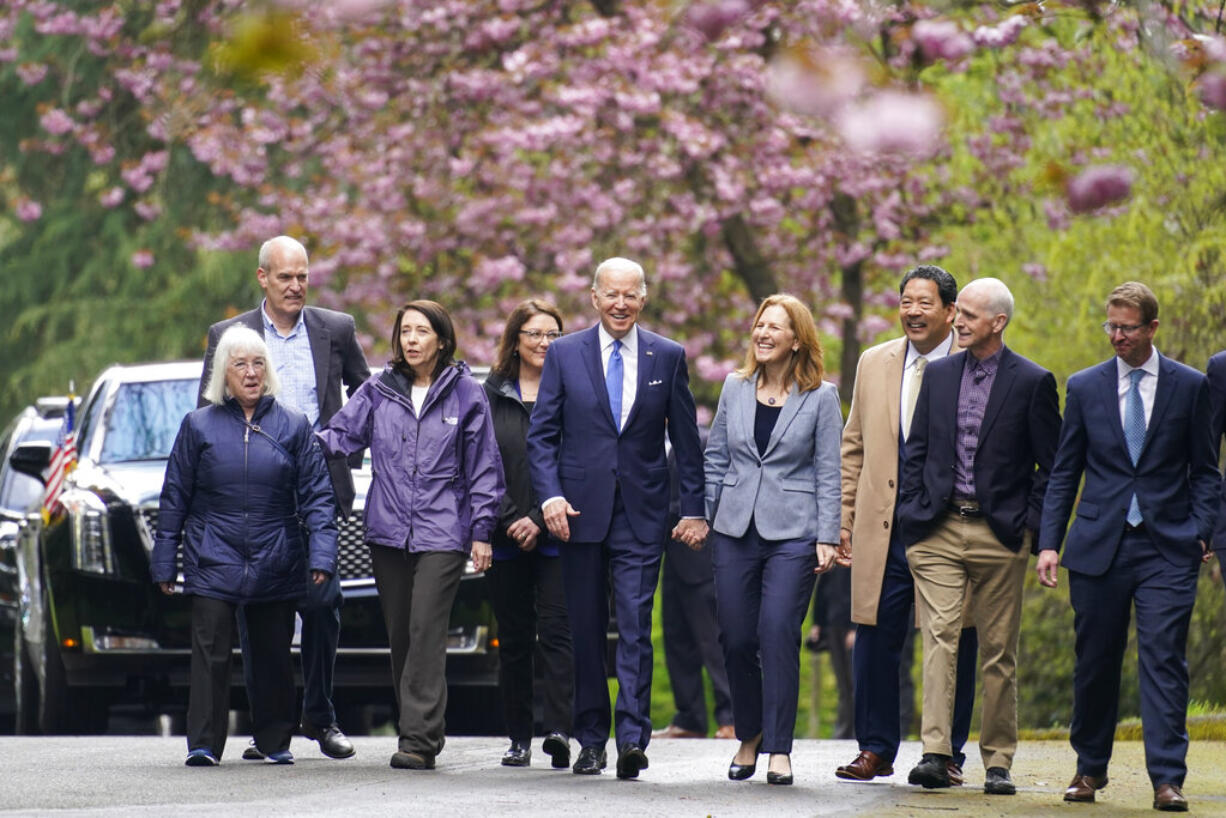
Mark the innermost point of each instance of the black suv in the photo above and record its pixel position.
(20, 495)
(93, 631)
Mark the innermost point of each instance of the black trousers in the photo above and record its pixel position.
(270, 685)
(416, 592)
(529, 601)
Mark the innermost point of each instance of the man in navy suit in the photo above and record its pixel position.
(1137, 428)
(983, 438)
(1217, 402)
(596, 451)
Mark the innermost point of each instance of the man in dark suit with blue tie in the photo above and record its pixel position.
(596, 452)
(1137, 428)
(982, 443)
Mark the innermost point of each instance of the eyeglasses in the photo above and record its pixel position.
(535, 335)
(1127, 329)
(242, 366)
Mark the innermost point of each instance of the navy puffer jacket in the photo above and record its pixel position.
(241, 497)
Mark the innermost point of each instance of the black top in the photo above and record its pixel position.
(763, 424)
(510, 415)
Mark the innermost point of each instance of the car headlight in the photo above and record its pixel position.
(91, 532)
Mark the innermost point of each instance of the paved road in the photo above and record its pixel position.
(144, 775)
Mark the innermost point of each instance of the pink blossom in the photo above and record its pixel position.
(111, 198)
(28, 210)
(1213, 90)
(942, 39)
(874, 325)
(102, 154)
(893, 122)
(813, 83)
(56, 121)
(1035, 270)
(148, 210)
(1099, 186)
(32, 73)
(497, 270)
(1002, 34)
(712, 17)
(142, 259)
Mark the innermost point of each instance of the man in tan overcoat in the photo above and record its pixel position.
(887, 383)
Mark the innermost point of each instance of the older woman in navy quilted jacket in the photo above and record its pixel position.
(247, 494)
(434, 496)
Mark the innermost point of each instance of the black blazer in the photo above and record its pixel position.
(511, 430)
(1017, 445)
(338, 359)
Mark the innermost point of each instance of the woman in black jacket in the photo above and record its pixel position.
(526, 577)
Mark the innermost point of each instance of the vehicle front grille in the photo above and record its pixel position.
(352, 554)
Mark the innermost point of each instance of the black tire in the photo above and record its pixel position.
(64, 711)
(474, 710)
(27, 691)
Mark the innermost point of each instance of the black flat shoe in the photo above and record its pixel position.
(518, 755)
(739, 772)
(590, 762)
(558, 746)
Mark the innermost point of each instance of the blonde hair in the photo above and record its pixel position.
(805, 368)
(237, 340)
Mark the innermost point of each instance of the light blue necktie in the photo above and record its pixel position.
(613, 383)
(1134, 433)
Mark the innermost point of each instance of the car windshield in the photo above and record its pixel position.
(145, 418)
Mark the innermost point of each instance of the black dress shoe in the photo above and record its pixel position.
(332, 742)
(998, 782)
(252, 753)
(412, 760)
(519, 755)
(931, 773)
(630, 759)
(739, 772)
(558, 746)
(590, 762)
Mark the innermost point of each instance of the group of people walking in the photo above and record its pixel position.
(953, 466)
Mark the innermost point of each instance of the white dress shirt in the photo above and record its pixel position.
(630, 366)
(908, 369)
(1148, 385)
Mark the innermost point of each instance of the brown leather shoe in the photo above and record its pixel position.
(1081, 789)
(867, 766)
(955, 773)
(673, 731)
(1169, 798)
(726, 731)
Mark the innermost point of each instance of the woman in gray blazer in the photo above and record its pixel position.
(772, 475)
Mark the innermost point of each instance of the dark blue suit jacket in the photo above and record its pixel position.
(1217, 428)
(575, 451)
(1176, 479)
(1017, 444)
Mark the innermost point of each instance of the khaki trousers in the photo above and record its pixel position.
(963, 556)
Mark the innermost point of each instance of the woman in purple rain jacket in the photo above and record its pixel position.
(434, 497)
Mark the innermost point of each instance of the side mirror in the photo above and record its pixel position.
(32, 459)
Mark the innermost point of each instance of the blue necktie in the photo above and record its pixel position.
(613, 383)
(1134, 434)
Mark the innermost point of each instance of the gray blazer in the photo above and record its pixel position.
(791, 492)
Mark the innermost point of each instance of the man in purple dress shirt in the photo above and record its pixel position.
(983, 439)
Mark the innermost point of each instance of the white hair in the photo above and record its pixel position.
(238, 340)
(288, 244)
(618, 264)
(996, 296)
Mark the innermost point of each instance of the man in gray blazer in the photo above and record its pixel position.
(314, 351)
